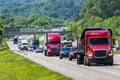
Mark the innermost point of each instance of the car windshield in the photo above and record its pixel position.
(24, 43)
(54, 42)
(65, 49)
(94, 41)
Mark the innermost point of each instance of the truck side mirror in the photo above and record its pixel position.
(88, 46)
(113, 41)
(112, 47)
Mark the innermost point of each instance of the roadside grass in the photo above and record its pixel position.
(117, 52)
(42, 42)
(16, 67)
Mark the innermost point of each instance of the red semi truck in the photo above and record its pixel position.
(52, 44)
(95, 46)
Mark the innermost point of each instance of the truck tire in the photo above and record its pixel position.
(60, 57)
(85, 62)
(80, 59)
(88, 62)
(111, 64)
(45, 53)
(70, 59)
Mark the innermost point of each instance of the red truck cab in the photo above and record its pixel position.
(52, 44)
(95, 46)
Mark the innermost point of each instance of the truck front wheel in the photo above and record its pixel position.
(88, 62)
(111, 64)
(80, 59)
(45, 53)
(85, 61)
(60, 56)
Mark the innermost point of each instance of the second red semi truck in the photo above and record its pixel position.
(95, 46)
(52, 44)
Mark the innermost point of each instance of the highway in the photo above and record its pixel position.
(70, 68)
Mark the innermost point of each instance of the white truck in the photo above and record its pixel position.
(23, 45)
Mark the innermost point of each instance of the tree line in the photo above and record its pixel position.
(35, 20)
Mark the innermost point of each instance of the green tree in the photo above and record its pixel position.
(1, 30)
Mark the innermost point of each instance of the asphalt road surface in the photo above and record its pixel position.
(70, 68)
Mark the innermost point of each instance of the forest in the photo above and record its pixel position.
(63, 9)
(98, 13)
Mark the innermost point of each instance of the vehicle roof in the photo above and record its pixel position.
(24, 41)
(97, 33)
(53, 36)
(94, 29)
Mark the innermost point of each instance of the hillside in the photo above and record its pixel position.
(65, 9)
(5, 2)
(35, 20)
(104, 13)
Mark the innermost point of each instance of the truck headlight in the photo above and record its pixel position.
(110, 53)
(90, 54)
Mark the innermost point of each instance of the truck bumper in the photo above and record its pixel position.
(53, 54)
(65, 55)
(101, 60)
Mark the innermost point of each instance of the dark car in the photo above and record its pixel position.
(64, 52)
(73, 53)
(39, 49)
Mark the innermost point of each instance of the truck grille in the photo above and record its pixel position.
(54, 50)
(100, 53)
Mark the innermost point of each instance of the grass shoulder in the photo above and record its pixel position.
(16, 67)
(117, 52)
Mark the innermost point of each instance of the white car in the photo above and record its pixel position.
(39, 49)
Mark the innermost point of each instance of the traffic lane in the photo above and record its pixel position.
(77, 72)
(71, 69)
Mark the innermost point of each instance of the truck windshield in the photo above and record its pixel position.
(94, 41)
(65, 49)
(24, 43)
(54, 42)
